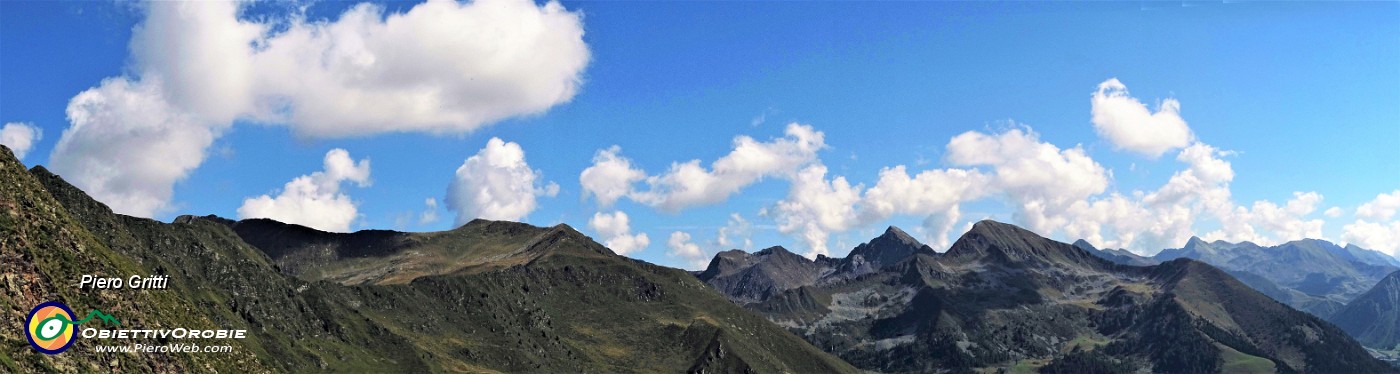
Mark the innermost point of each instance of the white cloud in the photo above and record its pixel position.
(127, 146)
(1267, 223)
(815, 207)
(1333, 212)
(736, 234)
(1373, 228)
(616, 231)
(1130, 125)
(439, 67)
(314, 200)
(939, 226)
(496, 184)
(442, 66)
(430, 212)
(610, 177)
(1052, 190)
(1384, 237)
(20, 137)
(1043, 179)
(930, 191)
(1383, 207)
(201, 55)
(682, 247)
(690, 184)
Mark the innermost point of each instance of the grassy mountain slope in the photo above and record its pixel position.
(556, 302)
(548, 299)
(44, 251)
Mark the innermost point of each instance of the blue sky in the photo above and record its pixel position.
(1295, 97)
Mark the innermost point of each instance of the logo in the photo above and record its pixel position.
(50, 326)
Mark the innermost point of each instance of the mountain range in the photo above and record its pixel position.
(485, 297)
(493, 296)
(1311, 275)
(1003, 298)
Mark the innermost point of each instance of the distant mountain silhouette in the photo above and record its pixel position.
(1312, 275)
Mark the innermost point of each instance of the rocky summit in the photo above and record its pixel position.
(1004, 298)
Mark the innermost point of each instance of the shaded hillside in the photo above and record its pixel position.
(1374, 317)
(1005, 298)
(558, 303)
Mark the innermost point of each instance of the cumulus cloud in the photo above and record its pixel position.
(1333, 212)
(439, 67)
(1267, 223)
(815, 207)
(430, 212)
(681, 246)
(689, 183)
(20, 137)
(616, 230)
(1130, 125)
(442, 66)
(610, 177)
(1043, 179)
(200, 54)
(1380, 236)
(736, 234)
(1383, 207)
(930, 191)
(496, 184)
(314, 200)
(1052, 191)
(1373, 228)
(1057, 191)
(127, 146)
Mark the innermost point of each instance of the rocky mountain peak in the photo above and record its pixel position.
(1196, 243)
(890, 248)
(1007, 244)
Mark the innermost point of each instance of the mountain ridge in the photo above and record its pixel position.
(1004, 297)
(555, 301)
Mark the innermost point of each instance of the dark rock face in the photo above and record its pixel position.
(748, 278)
(890, 248)
(1374, 317)
(489, 296)
(1004, 297)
